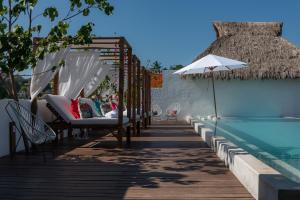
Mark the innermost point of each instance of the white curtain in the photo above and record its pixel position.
(114, 77)
(42, 73)
(97, 78)
(77, 72)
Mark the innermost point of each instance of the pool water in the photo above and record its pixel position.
(275, 141)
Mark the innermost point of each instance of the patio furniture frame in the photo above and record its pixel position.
(31, 128)
(117, 51)
(177, 109)
(159, 112)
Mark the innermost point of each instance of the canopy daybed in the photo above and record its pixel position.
(85, 68)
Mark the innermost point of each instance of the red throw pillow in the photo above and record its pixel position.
(74, 108)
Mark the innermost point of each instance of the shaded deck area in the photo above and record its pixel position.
(167, 162)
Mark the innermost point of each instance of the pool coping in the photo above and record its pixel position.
(262, 181)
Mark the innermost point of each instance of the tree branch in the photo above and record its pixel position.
(79, 12)
(29, 11)
(14, 21)
(9, 16)
(35, 17)
(4, 17)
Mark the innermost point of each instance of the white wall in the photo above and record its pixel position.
(4, 129)
(234, 98)
(4, 124)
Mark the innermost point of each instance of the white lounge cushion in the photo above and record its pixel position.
(61, 104)
(98, 120)
(43, 111)
(112, 114)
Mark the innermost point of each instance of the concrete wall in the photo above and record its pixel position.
(234, 98)
(4, 123)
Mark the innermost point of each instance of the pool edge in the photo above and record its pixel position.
(262, 181)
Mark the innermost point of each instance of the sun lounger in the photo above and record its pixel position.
(59, 106)
(173, 111)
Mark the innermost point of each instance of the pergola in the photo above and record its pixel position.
(117, 52)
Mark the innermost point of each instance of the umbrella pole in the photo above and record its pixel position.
(213, 85)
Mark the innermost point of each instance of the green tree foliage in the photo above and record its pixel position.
(22, 85)
(176, 67)
(156, 67)
(16, 39)
(105, 85)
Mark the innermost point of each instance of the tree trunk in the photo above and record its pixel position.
(13, 89)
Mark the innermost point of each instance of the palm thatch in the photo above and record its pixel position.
(259, 44)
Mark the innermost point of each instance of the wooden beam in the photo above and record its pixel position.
(121, 93)
(129, 92)
(146, 98)
(143, 96)
(149, 96)
(134, 66)
(138, 89)
(55, 84)
(81, 93)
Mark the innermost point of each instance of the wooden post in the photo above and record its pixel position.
(149, 96)
(134, 96)
(138, 77)
(12, 139)
(121, 92)
(55, 84)
(129, 92)
(146, 98)
(81, 93)
(143, 97)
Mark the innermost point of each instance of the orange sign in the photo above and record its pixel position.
(156, 80)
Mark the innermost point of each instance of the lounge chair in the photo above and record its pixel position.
(34, 131)
(173, 111)
(156, 112)
(59, 106)
(114, 114)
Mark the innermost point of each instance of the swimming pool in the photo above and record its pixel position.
(275, 141)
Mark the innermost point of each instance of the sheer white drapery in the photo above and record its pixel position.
(43, 73)
(113, 74)
(79, 69)
(97, 78)
(83, 69)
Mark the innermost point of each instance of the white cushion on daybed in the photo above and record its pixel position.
(98, 120)
(114, 114)
(61, 104)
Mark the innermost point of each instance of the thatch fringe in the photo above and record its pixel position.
(259, 44)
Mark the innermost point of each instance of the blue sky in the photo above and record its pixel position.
(176, 31)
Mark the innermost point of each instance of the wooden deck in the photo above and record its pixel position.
(167, 162)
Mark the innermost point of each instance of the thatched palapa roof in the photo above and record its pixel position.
(259, 44)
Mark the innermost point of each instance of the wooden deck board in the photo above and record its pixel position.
(168, 162)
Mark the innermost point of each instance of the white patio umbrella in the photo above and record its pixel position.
(211, 63)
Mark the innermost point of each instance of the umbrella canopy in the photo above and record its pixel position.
(185, 69)
(211, 63)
